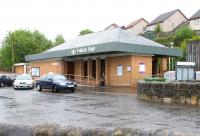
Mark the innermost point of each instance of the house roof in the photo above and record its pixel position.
(165, 16)
(111, 41)
(196, 15)
(134, 23)
(112, 25)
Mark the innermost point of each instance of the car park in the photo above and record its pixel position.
(23, 81)
(55, 82)
(6, 80)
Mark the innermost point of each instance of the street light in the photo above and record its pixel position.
(171, 58)
(13, 57)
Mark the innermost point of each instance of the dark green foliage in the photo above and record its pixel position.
(154, 79)
(178, 40)
(24, 42)
(182, 34)
(86, 31)
(158, 30)
(58, 40)
(167, 41)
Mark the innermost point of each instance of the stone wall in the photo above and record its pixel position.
(57, 130)
(170, 92)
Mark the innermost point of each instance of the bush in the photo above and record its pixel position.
(154, 79)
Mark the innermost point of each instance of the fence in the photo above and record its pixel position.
(82, 81)
(193, 53)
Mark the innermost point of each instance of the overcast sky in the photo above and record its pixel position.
(68, 17)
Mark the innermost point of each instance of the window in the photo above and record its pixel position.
(172, 25)
(195, 22)
(49, 77)
(43, 78)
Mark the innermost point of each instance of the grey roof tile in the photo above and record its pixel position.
(106, 42)
(113, 35)
(196, 15)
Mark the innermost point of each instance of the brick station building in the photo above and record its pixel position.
(120, 57)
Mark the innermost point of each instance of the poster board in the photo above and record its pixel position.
(35, 71)
(129, 68)
(142, 68)
(119, 70)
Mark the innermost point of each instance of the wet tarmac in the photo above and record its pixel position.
(88, 109)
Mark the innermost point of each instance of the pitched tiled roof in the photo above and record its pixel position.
(114, 25)
(164, 16)
(111, 41)
(113, 35)
(134, 23)
(196, 15)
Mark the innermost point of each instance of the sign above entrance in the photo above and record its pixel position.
(88, 49)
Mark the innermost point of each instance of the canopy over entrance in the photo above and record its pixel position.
(106, 42)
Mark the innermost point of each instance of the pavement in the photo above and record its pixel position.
(89, 109)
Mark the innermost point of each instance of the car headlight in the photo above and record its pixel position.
(62, 84)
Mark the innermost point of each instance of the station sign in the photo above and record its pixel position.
(88, 49)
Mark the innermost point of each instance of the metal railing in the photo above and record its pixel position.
(83, 81)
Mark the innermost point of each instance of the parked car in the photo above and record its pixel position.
(23, 81)
(6, 80)
(55, 82)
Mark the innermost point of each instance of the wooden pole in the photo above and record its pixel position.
(13, 57)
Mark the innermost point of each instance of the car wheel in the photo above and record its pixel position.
(55, 89)
(72, 90)
(2, 84)
(38, 87)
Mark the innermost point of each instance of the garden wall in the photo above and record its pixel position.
(57, 130)
(170, 92)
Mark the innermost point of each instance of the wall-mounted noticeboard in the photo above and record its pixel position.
(35, 71)
(142, 68)
(119, 70)
(128, 68)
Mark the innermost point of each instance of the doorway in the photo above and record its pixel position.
(102, 73)
(154, 66)
(70, 69)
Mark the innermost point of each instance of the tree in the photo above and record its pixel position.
(85, 31)
(182, 34)
(16, 45)
(58, 40)
(158, 30)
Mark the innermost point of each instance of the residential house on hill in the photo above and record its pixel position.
(112, 26)
(168, 21)
(195, 21)
(137, 26)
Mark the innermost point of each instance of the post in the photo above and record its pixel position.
(98, 69)
(89, 70)
(13, 58)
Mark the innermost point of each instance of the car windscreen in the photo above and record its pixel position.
(23, 77)
(59, 78)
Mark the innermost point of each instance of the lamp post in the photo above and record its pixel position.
(13, 57)
(171, 65)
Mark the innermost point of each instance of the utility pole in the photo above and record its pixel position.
(13, 57)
